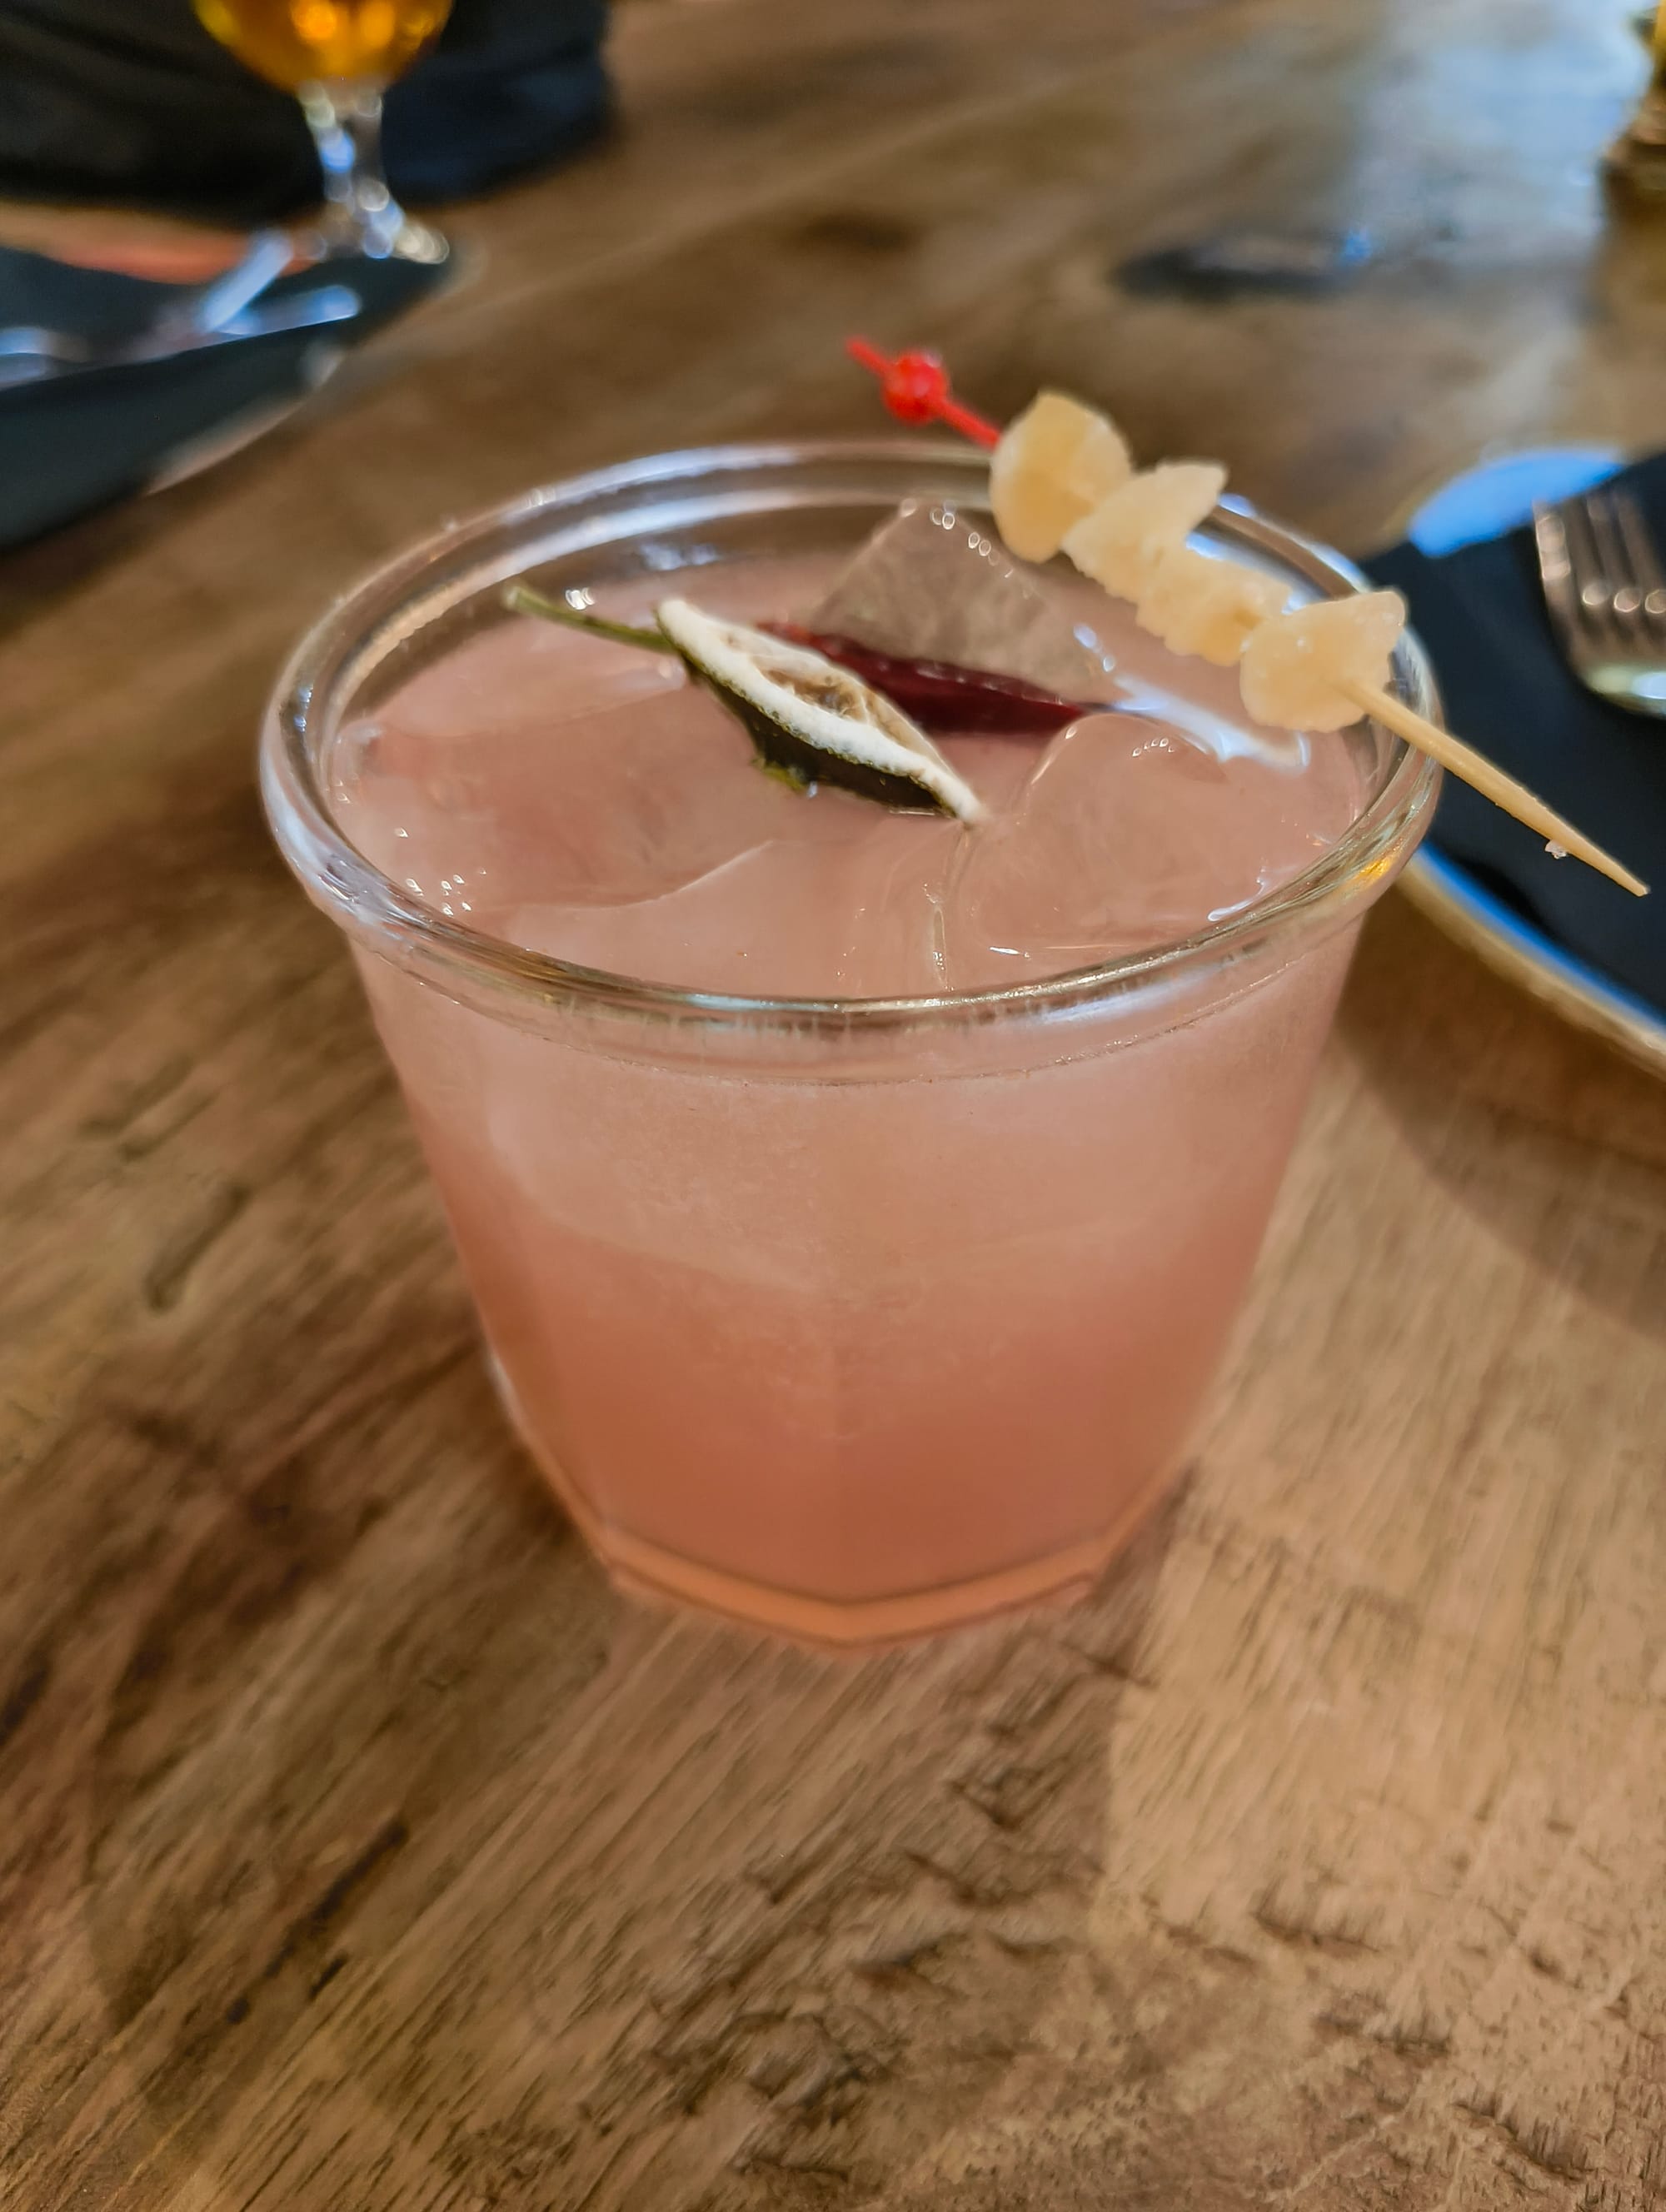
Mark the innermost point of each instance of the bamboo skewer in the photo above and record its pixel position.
(916, 389)
(1474, 768)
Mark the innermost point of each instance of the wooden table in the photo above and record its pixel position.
(358, 1848)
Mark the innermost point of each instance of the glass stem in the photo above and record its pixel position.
(346, 121)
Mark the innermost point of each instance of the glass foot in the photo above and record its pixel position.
(402, 238)
(853, 1626)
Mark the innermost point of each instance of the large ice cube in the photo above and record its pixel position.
(1130, 837)
(938, 585)
(619, 804)
(526, 675)
(856, 918)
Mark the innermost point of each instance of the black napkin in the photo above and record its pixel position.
(1508, 691)
(69, 444)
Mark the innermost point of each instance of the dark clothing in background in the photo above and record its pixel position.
(131, 102)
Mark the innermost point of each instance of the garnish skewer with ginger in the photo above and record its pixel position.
(1061, 479)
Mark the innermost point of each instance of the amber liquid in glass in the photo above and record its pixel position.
(294, 43)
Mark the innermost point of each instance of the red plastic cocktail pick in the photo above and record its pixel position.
(915, 387)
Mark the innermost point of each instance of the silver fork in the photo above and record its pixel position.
(202, 312)
(301, 311)
(1606, 595)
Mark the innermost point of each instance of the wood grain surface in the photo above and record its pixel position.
(359, 1849)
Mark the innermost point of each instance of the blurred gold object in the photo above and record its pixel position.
(296, 43)
(337, 56)
(1637, 160)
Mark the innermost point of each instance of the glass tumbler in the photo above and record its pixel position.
(853, 1318)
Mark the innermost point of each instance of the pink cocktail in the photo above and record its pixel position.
(856, 1203)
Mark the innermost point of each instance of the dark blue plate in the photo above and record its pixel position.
(71, 444)
(1495, 496)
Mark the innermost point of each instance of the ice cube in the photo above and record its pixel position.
(616, 805)
(521, 673)
(1121, 541)
(938, 585)
(1205, 603)
(1054, 464)
(1129, 836)
(859, 918)
(1294, 665)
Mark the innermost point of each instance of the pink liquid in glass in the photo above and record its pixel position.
(852, 1345)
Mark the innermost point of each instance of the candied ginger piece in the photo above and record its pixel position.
(1120, 543)
(1054, 465)
(1200, 603)
(1294, 666)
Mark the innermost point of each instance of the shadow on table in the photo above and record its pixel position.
(419, 1856)
(1547, 1135)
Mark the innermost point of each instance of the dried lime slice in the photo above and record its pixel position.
(813, 720)
(809, 720)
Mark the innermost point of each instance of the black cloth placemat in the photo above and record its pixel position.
(69, 444)
(1508, 691)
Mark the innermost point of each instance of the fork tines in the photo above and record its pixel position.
(1606, 591)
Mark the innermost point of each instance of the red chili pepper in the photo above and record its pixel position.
(941, 695)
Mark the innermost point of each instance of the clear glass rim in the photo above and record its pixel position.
(330, 658)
